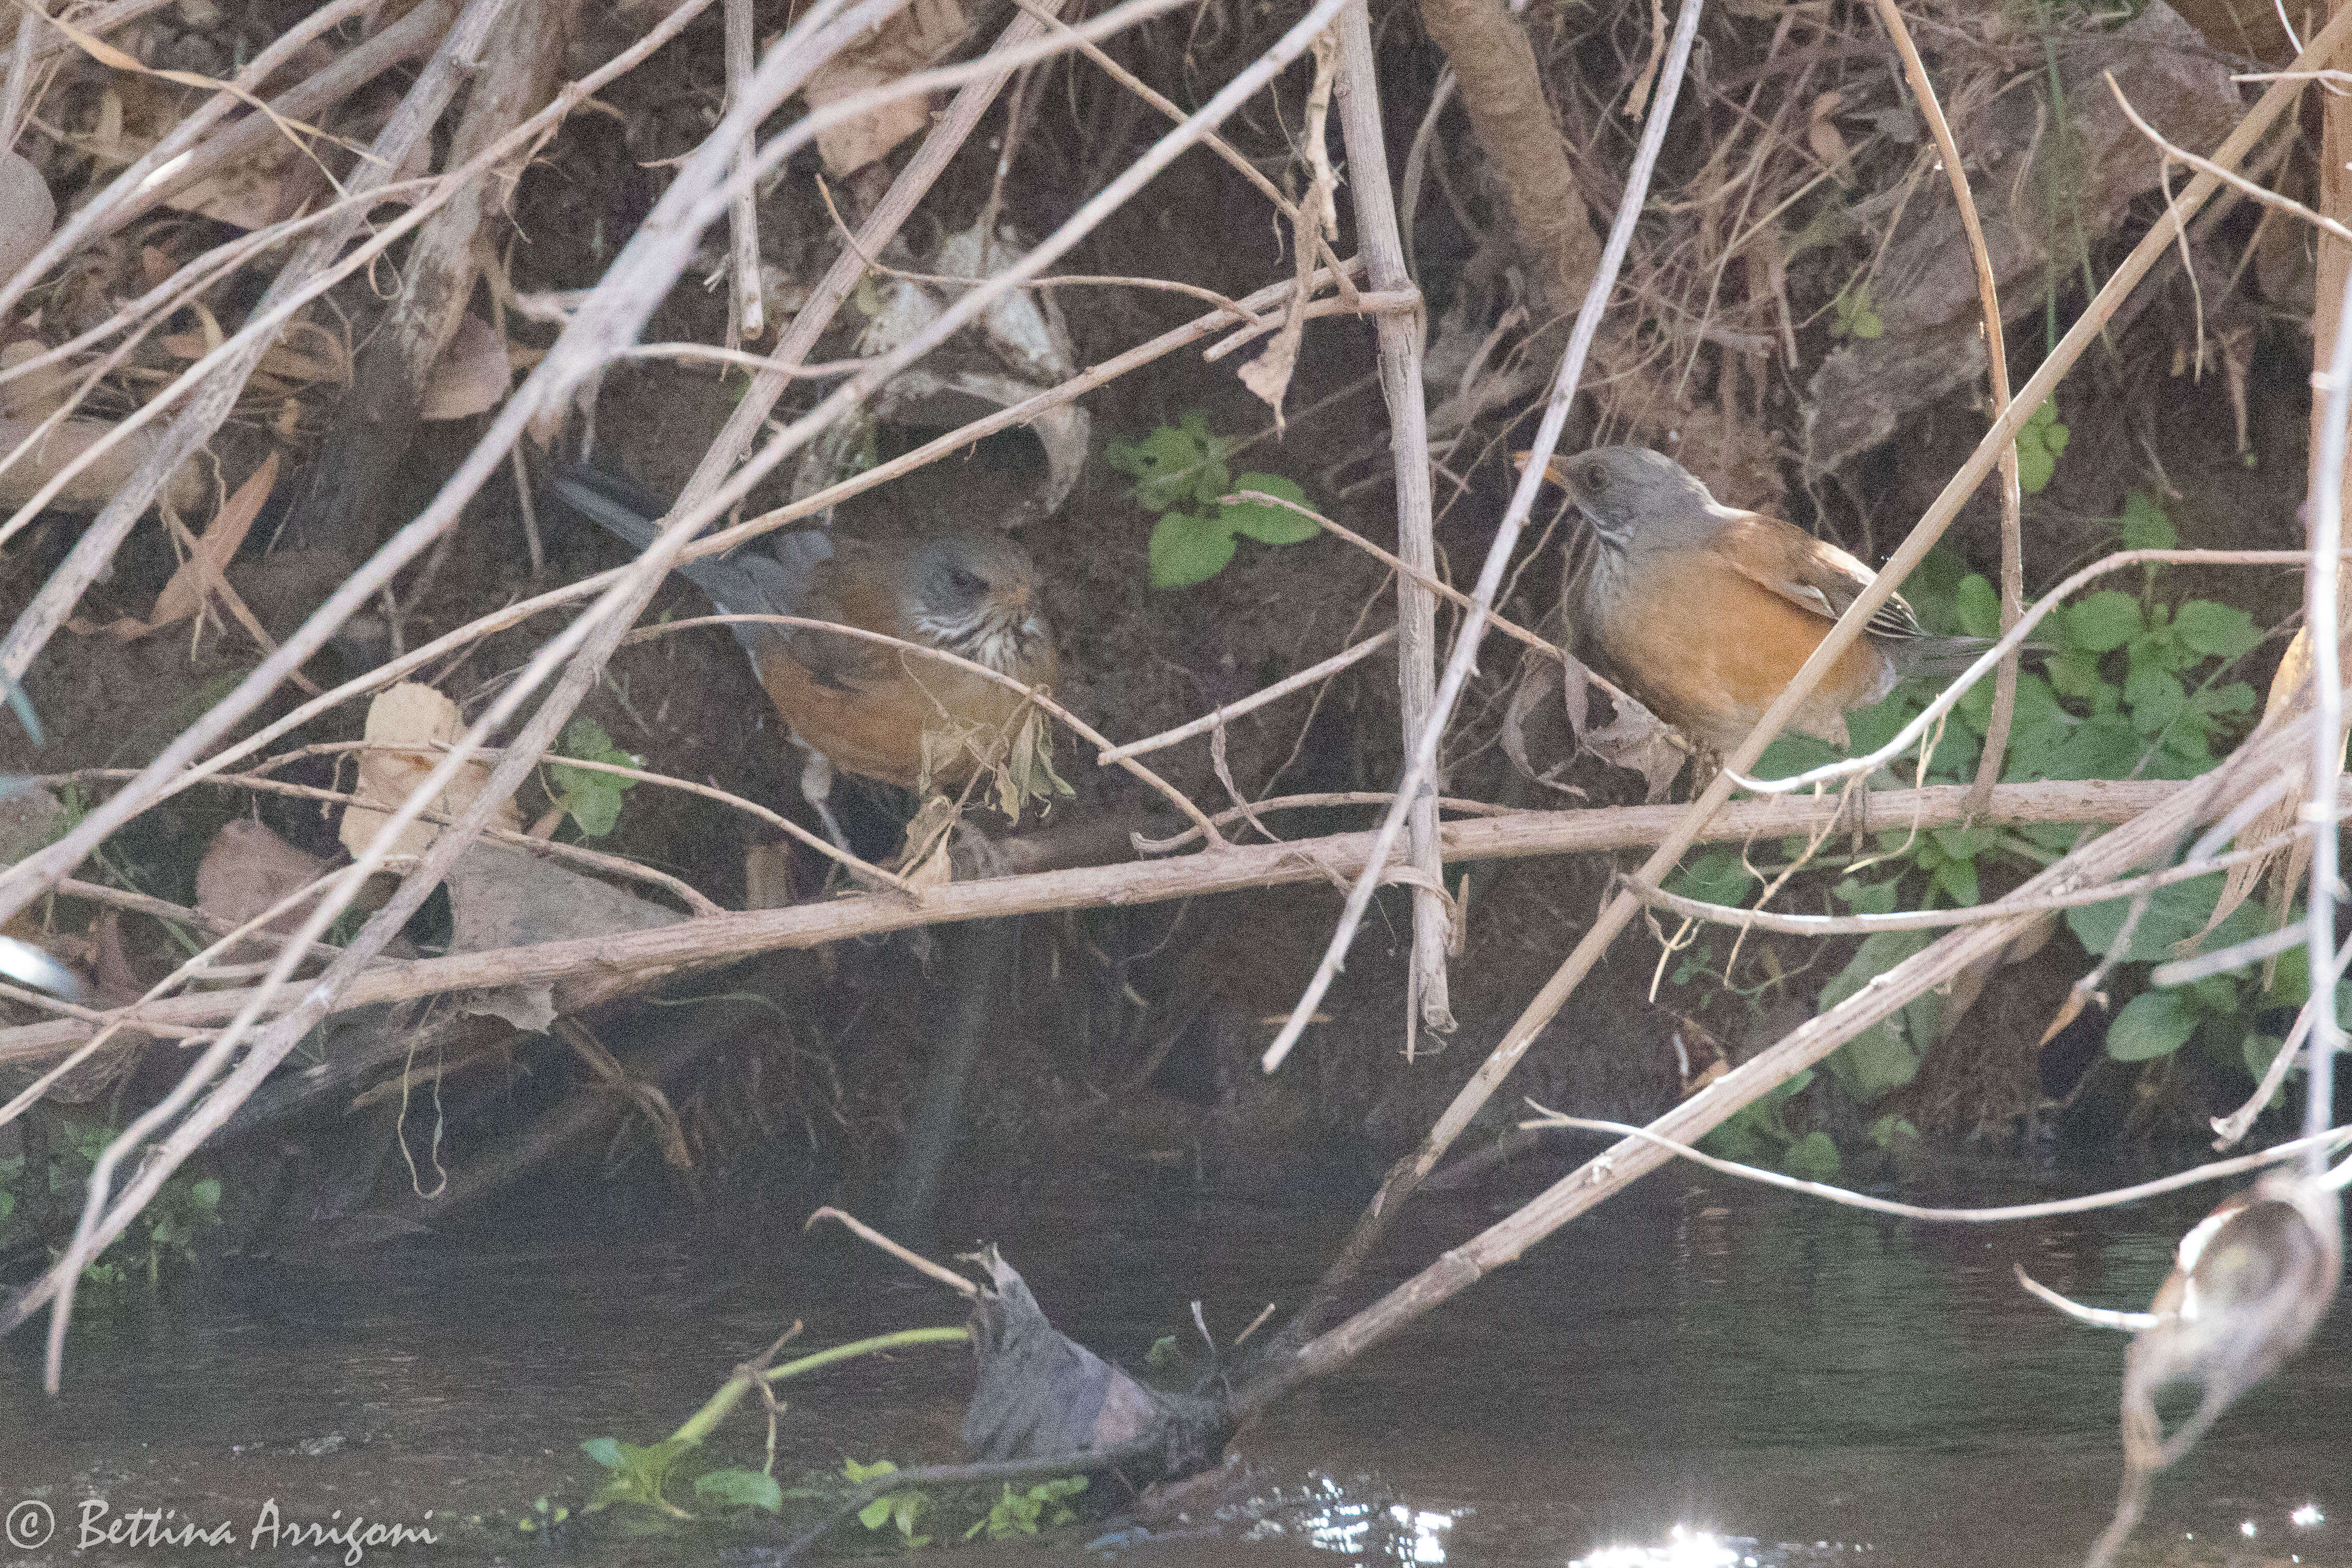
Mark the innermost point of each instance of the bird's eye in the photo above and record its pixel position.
(966, 582)
(1596, 477)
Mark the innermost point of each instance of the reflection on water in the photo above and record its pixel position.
(1698, 1376)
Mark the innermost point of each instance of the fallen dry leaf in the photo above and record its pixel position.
(94, 486)
(907, 42)
(471, 376)
(1823, 135)
(1638, 739)
(37, 393)
(409, 714)
(28, 214)
(245, 870)
(502, 897)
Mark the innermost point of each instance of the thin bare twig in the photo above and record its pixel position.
(1254, 701)
(1422, 761)
(2013, 538)
(744, 219)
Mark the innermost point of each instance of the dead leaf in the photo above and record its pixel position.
(1639, 739)
(907, 42)
(413, 715)
(245, 870)
(471, 376)
(500, 896)
(1540, 680)
(28, 214)
(203, 571)
(96, 485)
(1823, 135)
(37, 394)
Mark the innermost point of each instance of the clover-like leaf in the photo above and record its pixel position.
(1270, 524)
(2040, 441)
(2152, 1024)
(593, 798)
(2145, 524)
(1187, 549)
(2217, 631)
(2104, 621)
(1174, 464)
(1977, 606)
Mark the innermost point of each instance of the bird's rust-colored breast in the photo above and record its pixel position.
(868, 705)
(1710, 648)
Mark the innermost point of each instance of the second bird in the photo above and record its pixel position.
(1707, 612)
(866, 707)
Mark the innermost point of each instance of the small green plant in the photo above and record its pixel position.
(902, 1510)
(181, 1210)
(1856, 317)
(2040, 441)
(1183, 466)
(635, 1474)
(1021, 1513)
(592, 798)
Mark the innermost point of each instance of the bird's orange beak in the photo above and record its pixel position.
(1554, 467)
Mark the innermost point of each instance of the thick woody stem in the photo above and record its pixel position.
(1400, 357)
(1502, 92)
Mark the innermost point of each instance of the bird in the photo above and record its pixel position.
(867, 707)
(1708, 611)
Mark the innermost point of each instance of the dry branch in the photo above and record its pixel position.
(354, 477)
(1502, 92)
(1519, 835)
(1399, 359)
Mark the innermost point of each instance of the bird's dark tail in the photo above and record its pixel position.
(745, 582)
(1944, 656)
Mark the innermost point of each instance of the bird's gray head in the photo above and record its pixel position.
(1636, 499)
(977, 597)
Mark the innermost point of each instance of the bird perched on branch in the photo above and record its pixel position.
(1707, 612)
(867, 707)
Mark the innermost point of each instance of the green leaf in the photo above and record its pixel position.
(606, 1451)
(2217, 631)
(1812, 1158)
(2237, 697)
(2155, 696)
(594, 799)
(1959, 878)
(740, 1488)
(1717, 877)
(1857, 317)
(2104, 621)
(205, 1194)
(2152, 1024)
(2145, 524)
(1174, 464)
(1975, 605)
(1186, 550)
(1889, 1131)
(1269, 524)
(1881, 1057)
(2175, 913)
(1862, 901)
(2040, 441)
(857, 1475)
(875, 1514)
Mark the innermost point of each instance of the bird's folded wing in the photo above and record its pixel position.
(1809, 573)
(847, 589)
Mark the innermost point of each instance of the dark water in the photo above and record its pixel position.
(1698, 1374)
